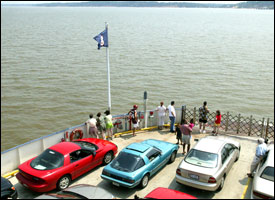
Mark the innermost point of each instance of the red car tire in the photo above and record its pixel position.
(63, 182)
(108, 158)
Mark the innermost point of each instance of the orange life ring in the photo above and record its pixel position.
(76, 131)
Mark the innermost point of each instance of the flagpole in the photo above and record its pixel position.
(108, 70)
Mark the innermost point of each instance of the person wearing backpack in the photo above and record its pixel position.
(203, 111)
(134, 118)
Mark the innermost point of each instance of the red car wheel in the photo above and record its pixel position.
(63, 182)
(108, 158)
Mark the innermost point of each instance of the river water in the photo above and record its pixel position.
(53, 76)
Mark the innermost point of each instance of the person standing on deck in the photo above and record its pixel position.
(109, 124)
(161, 114)
(259, 155)
(186, 135)
(217, 123)
(172, 116)
(101, 125)
(134, 118)
(203, 116)
(91, 126)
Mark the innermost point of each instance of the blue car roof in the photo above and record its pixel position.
(139, 147)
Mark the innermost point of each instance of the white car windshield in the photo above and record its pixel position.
(202, 159)
(268, 173)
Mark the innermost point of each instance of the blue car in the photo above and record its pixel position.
(136, 163)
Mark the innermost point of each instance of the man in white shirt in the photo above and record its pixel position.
(260, 152)
(161, 112)
(172, 116)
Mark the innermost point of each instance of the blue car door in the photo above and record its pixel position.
(155, 160)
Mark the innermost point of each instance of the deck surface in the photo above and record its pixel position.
(235, 183)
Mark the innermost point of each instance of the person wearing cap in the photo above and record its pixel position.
(133, 116)
(161, 114)
(109, 124)
(260, 153)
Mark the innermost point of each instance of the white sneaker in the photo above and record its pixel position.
(204, 132)
(200, 130)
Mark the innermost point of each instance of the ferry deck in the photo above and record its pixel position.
(237, 184)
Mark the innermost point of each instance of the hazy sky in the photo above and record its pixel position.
(36, 2)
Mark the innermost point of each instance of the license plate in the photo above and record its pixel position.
(116, 184)
(193, 176)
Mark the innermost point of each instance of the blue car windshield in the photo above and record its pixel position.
(126, 162)
(49, 159)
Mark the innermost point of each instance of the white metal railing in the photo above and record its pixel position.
(11, 158)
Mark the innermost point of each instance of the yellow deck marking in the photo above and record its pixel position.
(246, 187)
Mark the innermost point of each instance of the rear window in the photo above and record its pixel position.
(268, 173)
(49, 159)
(127, 162)
(86, 145)
(202, 159)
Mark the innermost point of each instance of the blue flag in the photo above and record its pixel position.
(102, 39)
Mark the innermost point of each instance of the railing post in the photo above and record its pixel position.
(194, 115)
(250, 126)
(238, 125)
(183, 112)
(227, 121)
(145, 109)
(267, 127)
(126, 121)
(262, 131)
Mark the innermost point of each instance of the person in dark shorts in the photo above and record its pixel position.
(179, 134)
(134, 118)
(203, 116)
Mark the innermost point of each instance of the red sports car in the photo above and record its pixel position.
(63, 162)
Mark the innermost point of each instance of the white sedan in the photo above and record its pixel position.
(207, 164)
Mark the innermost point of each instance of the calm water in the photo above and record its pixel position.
(53, 76)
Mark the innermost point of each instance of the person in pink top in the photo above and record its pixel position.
(217, 123)
(186, 135)
(191, 123)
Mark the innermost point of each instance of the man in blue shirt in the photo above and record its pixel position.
(260, 152)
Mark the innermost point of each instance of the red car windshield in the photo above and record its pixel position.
(48, 160)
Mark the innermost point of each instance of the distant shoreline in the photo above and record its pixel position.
(17, 6)
(262, 5)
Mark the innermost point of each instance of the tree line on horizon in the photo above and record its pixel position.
(247, 4)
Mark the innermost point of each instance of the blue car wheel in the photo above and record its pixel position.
(173, 157)
(144, 181)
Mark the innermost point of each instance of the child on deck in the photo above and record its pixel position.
(191, 125)
(179, 134)
(217, 123)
